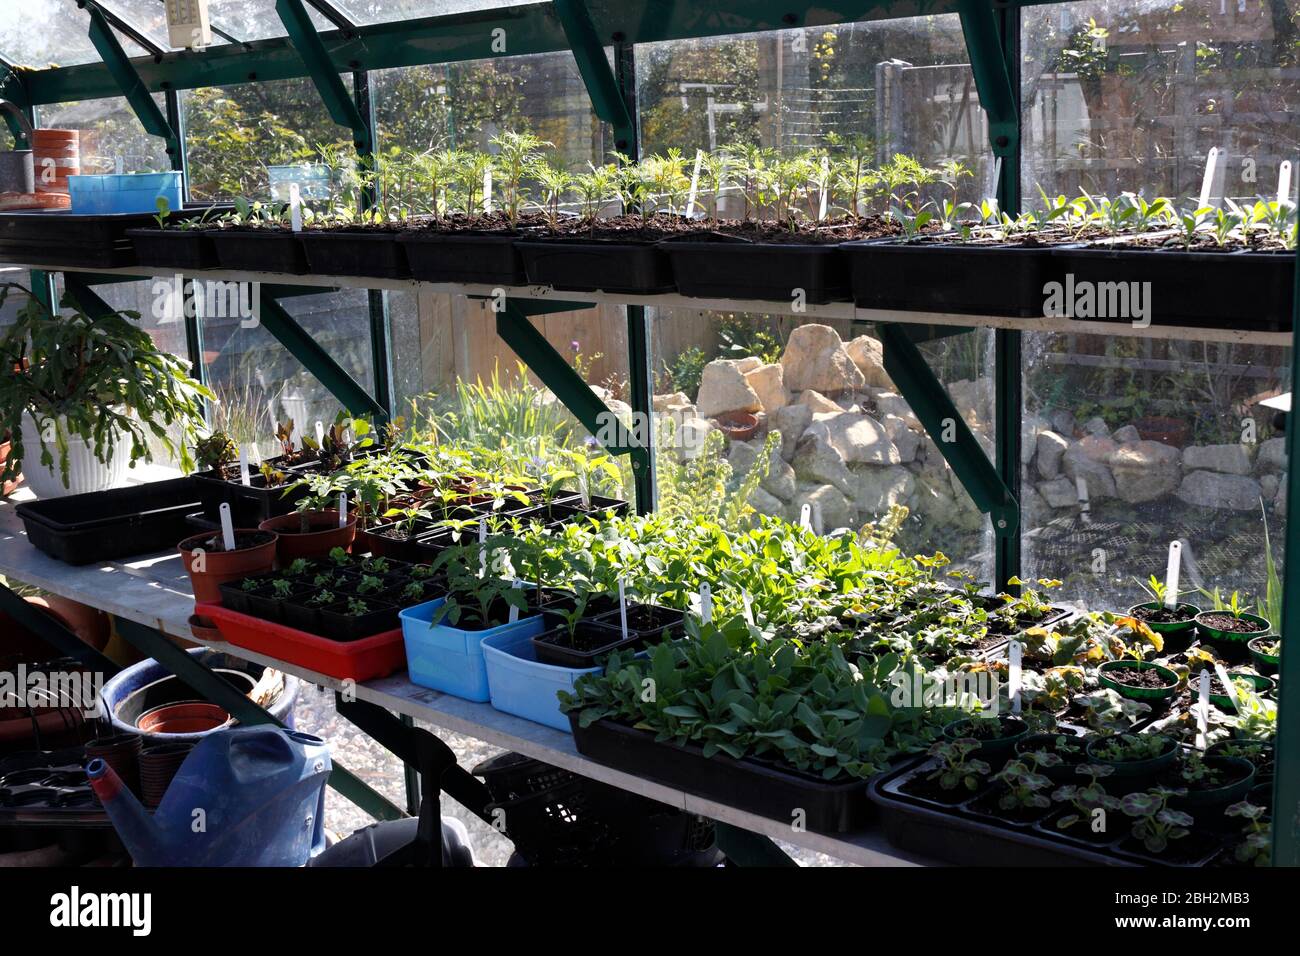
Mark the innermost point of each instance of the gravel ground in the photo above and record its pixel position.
(315, 714)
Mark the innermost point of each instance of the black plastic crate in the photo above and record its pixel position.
(103, 525)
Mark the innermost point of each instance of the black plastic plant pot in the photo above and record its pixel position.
(267, 604)
(373, 254)
(947, 277)
(1108, 676)
(70, 239)
(379, 540)
(250, 504)
(990, 748)
(1265, 662)
(729, 267)
(174, 248)
(1177, 634)
(584, 647)
(1130, 775)
(598, 265)
(647, 620)
(339, 624)
(301, 615)
(235, 595)
(486, 258)
(260, 250)
(1239, 777)
(1258, 752)
(1214, 300)
(1062, 772)
(764, 788)
(598, 505)
(406, 595)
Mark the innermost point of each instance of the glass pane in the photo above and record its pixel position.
(255, 20)
(1133, 443)
(233, 133)
(44, 33)
(389, 11)
(109, 131)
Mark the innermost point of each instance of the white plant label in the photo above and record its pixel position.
(514, 611)
(1203, 709)
(1207, 181)
(1284, 182)
(706, 603)
(295, 207)
(1226, 680)
(118, 168)
(749, 606)
(805, 516)
(343, 509)
(695, 184)
(622, 607)
(482, 547)
(227, 527)
(582, 490)
(1171, 574)
(244, 478)
(320, 434)
(487, 189)
(823, 187)
(1014, 651)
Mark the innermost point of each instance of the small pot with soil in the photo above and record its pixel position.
(268, 248)
(1177, 625)
(997, 736)
(460, 249)
(310, 534)
(302, 611)
(1211, 782)
(580, 646)
(1138, 680)
(1222, 699)
(1258, 752)
(1227, 628)
(209, 564)
(1135, 759)
(357, 618)
(1067, 747)
(738, 426)
(175, 248)
(1266, 652)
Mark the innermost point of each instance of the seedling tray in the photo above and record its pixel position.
(368, 658)
(487, 258)
(748, 785)
(71, 239)
(103, 525)
(732, 268)
(260, 250)
(962, 835)
(341, 252)
(594, 265)
(48, 788)
(174, 248)
(250, 504)
(948, 277)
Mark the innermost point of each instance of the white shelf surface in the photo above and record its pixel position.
(155, 591)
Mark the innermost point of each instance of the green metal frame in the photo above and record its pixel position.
(128, 82)
(333, 92)
(589, 52)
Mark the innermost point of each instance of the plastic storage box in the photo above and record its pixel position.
(522, 685)
(449, 659)
(124, 192)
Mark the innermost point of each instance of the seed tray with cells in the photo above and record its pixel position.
(47, 787)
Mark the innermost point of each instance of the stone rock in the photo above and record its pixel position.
(1059, 493)
(817, 461)
(1269, 484)
(1145, 471)
(1096, 426)
(817, 402)
(1033, 507)
(857, 438)
(766, 504)
(1212, 489)
(869, 356)
(1271, 455)
(974, 399)
(1062, 420)
(723, 389)
(1050, 448)
(830, 508)
(891, 403)
(741, 457)
(1126, 433)
(1087, 458)
(748, 364)
(780, 479)
(905, 440)
(816, 358)
(791, 421)
(661, 403)
(768, 383)
(1030, 428)
(1225, 459)
(1279, 503)
(880, 488)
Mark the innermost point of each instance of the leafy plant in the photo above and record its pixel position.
(215, 451)
(1024, 784)
(957, 768)
(1087, 798)
(1154, 824)
(1256, 847)
(1125, 748)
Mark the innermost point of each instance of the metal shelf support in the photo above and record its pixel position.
(602, 86)
(305, 39)
(128, 81)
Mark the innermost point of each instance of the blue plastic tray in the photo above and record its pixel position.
(451, 660)
(522, 685)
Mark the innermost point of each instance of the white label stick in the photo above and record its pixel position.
(244, 478)
(622, 607)
(1207, 181)
(1171, 574)
(1014, 651)
(695, 184)
(1226, 680)
(1284, 182)
(295, 208)
(320, 434)
(514, 611)
(343, 509)
(706, 603)
(1203, 709)
(227, 527)
(824, 186)
(482, 547)
(805, 516)
(487, 189)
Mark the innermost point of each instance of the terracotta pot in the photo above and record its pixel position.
(204, 630)
(187, 717)
(122, 753)
(90, 624)
(218, 567)
(738, 426)
(325, 535)
(1167, 431)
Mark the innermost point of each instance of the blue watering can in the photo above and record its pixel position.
(248, 796)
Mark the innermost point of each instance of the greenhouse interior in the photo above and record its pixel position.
(507, 521)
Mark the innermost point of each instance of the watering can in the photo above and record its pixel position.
(248, 796)
(17, 168)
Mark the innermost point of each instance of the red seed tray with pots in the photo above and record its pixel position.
(362, 660)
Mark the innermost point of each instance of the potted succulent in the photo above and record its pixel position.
(91, 394)
(209, 564)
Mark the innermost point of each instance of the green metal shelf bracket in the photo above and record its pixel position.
(907, 368)
(602, 86)
(13, 90)
(334, 93)
(177, 661)
(314, 356)
(979, 24)
(128, 81)
(556, 374)
(27, 617)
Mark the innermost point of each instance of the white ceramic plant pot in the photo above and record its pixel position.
(85, 471)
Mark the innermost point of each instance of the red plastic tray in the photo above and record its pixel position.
(370, 657)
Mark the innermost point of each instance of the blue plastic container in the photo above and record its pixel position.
(315, 181)
(451, 660)
(522, 685)
(124, 192)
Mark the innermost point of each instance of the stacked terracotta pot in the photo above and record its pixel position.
(56, 155)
